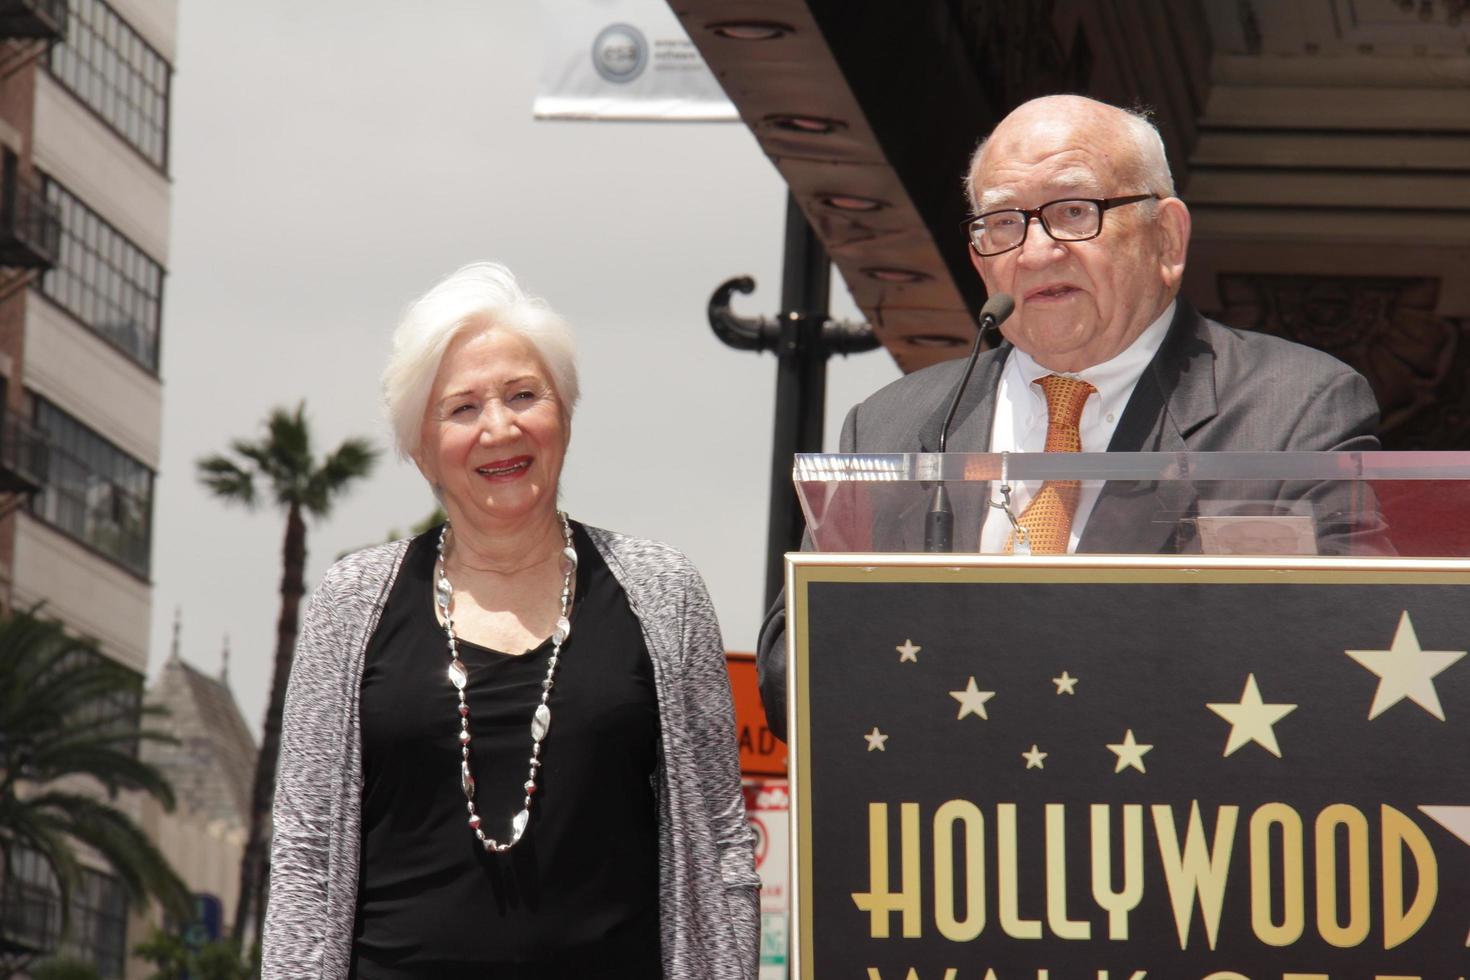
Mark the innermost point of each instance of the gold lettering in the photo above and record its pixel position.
(1293, 875)
(913, 974)
(969, 817)
(878, 901)
(1196, 874)
(1010, 918)
(1227, 975)
(1118, 904)
(1356, 929)
(1056, 877)
(1399, 830)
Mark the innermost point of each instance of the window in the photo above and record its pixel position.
(108, 66)
(120, 711)
(94, 491)
(99, 916)
(104, 280)
(99, 913)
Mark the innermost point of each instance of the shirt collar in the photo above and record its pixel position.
(1115, 378)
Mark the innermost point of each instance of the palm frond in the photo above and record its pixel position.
(227, 480)
(67, 711)
(34, 829)
(288, 444)
(350, 462)
(139, 865)
(114, 768)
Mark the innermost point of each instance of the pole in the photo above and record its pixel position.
(802, 337)
(801, 384)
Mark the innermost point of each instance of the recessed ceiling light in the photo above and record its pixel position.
(811, 125)
(895, 275)
(933, 340)
(750, 30)
(852, 202)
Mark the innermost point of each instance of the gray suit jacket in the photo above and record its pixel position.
(1210, 388)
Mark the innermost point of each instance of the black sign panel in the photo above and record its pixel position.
(1172, 770)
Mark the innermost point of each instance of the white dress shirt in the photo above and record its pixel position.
(1021, 421)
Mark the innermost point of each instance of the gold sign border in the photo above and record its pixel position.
(805, 568)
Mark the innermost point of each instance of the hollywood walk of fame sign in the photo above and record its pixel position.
(1212, 768)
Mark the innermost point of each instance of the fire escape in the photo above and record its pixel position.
(30, 233)
(28, 28)
(30, 236)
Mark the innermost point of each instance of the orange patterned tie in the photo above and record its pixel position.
(1048, 517)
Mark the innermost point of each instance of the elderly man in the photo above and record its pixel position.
(1078, 222)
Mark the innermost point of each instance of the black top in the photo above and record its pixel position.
(578, 896)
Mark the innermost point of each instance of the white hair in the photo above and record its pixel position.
(481, 296)
(1148, 167)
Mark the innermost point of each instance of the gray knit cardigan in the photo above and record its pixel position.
(708, 908)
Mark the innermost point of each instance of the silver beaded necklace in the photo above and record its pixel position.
(540, 720)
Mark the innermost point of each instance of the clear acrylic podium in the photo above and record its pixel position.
(1408, 504)
(1228, 736)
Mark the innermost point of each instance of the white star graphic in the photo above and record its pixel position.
(1405, 670)
(1066, 684)
(908, 653)
(1129, 753)
(875, 740)
(1034, 757)
(1251, 719)
(972, 700)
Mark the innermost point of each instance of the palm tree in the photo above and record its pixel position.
(283, 462)
(68, 711)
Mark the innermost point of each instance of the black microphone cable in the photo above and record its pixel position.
(939, 521)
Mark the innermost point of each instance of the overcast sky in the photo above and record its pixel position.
(331, 160)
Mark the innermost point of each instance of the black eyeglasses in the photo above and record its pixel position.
(1073, 219)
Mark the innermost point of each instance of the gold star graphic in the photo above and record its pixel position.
(1066, 684)
(1251, 719)
(1130, 753)
(908, 653)
(876, 740)
(972, 700)
(1034, 757)
(1405, 670)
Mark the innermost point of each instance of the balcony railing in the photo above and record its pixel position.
(30, 225)
(24, 455)
(39, 19)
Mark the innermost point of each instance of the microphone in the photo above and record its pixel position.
(939, 521)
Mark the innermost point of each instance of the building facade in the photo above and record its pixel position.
(84, 222)
(211, 766)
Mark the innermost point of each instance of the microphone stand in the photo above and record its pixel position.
(939, 520)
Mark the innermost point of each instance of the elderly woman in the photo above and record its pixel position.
(509, 747)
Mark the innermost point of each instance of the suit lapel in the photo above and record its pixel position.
(1174, 396)
(969, 433)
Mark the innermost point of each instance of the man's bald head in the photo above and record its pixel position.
(1141, 157)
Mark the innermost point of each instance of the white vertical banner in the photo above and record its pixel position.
(623, 60)
(768, 806)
